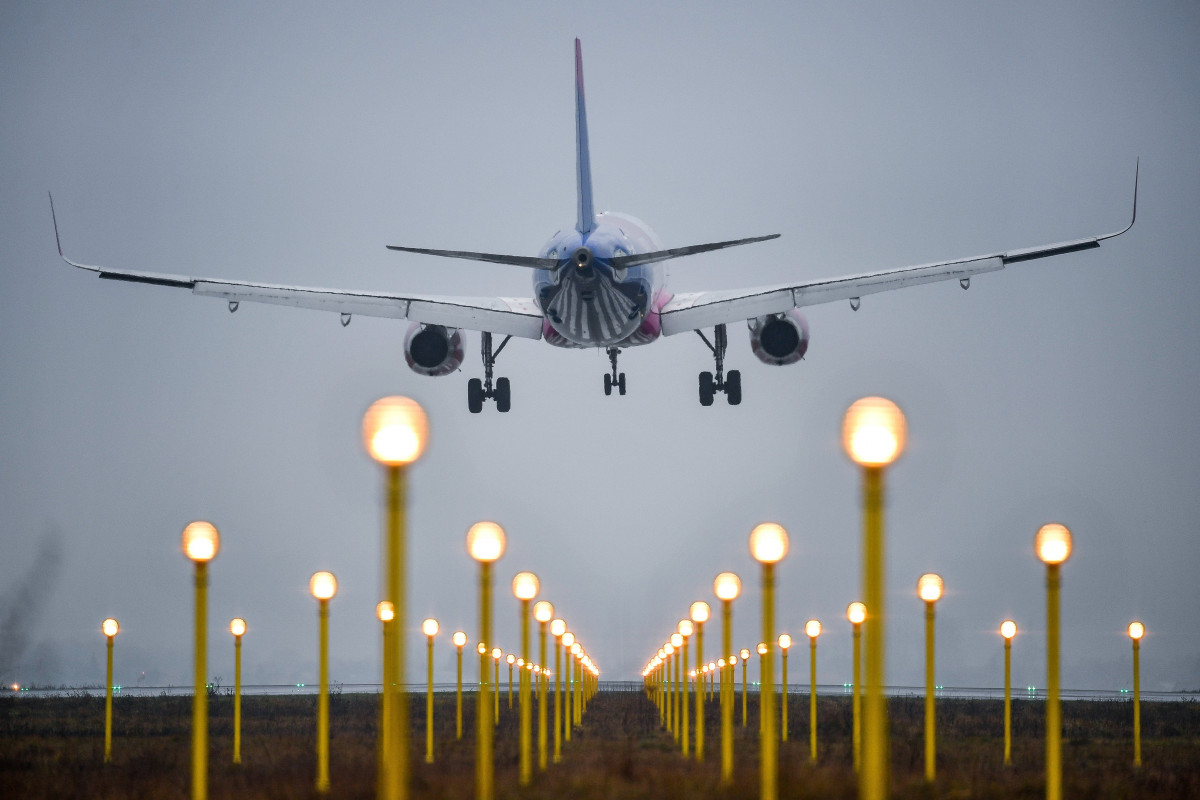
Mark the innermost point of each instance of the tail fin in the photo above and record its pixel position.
(586, 219)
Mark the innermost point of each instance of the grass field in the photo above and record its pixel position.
(54, 748)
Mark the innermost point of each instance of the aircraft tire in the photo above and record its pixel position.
(608, 384)
(707, 389)
(621, 384)
(475, 395)
(733, 387)
(503, 395)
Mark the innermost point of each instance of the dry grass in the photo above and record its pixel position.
(54, 748)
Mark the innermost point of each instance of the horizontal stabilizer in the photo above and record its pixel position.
(622, 262)
(531, 262)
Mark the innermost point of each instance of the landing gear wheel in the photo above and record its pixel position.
(475, 395)
(480, 390)
(733, 387)
(504, 395)
(614, 378)
(707, 389)
(710, 384)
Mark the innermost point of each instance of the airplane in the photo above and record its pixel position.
(599, 284)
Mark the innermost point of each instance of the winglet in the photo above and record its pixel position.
(586, 217)
(1137, 168)
(54, 219)
(58, 241)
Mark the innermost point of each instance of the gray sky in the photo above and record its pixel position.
(290, 145)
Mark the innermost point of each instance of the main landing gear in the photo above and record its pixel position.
(614, 378)
(731, 385)
(478, 391)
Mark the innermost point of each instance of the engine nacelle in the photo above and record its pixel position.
(433, 350)
(779, 339)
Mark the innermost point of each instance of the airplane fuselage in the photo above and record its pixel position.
(587, 302)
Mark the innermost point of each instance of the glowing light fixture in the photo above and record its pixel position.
(395, 431)
(873, 432)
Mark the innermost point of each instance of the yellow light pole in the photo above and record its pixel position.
(699, 613)
(497, 654)
(1008, 629)
(1052, 543)
(459, 639)
(785, 644)
(744, 655)
(568, 642)
(686, 628)
(929, 589)
(1136, 631)
(768, 546)
(557, 628)
(111, 628)
(873, 433)
(484, 669)
(485, 543)
(237, 626)
(577, 652)
(543, 612)
(395, 431)
(726, 586)
(200, 543)
(323, 586)
(430, 628)
(856, 613)
(511, 659)
(812, 629)
(385, 614)
(762, 657)
(525, 587)
(677, 656)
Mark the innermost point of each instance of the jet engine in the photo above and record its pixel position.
(779, 339)
(433, 350)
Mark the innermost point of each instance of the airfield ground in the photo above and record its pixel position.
(53, 747)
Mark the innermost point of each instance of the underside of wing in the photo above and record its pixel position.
(695, 310)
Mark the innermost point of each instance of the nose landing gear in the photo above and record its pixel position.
(478, 391)
(710, 384)
(614, 378)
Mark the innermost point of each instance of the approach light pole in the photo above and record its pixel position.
(1136, 631)
(768, 546)
(323, 586)
(200, 543)
(873, 434)
(111, 628)
(1052, 543)
(395, 431)
(812, 629)
(699, 613)
(557, 628)
(856, 613)
(727, 586)
(929, 589)
(1008, 629)
(430, 628)
(459, 639)
(525, 587)
(486, 542)
(543, 612)
(237, 626)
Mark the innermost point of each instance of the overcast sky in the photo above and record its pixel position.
(285, 144)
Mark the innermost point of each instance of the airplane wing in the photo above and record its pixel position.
(695, 310)
(508, 316)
